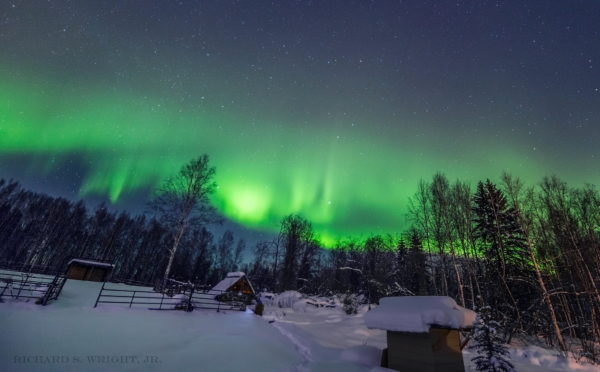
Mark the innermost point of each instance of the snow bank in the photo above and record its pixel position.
(285, 299)
(418, 314)
(533, 358)
(296, 301)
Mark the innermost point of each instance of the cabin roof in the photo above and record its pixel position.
(92, 263)
(230, 279)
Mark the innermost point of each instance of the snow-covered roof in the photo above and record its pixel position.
(236, 274)
(91, 263)
(418, 314)
(229, 280)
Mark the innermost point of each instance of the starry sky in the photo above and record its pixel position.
(330, 109)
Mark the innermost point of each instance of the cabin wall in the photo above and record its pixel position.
(436, 351)
(241, 286)
(76, 272)
(94, 274)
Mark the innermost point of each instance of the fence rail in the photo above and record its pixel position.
(187, 300)
(206, 299)
(42, 288)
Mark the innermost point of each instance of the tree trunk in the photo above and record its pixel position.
(173, 250)
(547, 300)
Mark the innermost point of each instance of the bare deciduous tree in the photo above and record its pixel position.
(184, 199)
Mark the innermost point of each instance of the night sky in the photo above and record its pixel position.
(330, 109)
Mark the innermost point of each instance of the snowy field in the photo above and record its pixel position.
(71, 335)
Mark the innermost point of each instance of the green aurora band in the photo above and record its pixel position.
(349, 184)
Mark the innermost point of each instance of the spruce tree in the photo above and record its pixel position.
(492, 352)
(401, 252)
(503, 247)
(497, 225)
(418, 264)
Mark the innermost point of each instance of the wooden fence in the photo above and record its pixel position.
(186, 299)
(42, 288)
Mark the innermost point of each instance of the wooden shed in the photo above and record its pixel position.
(422, 332)
(235, 286)
(91, 270)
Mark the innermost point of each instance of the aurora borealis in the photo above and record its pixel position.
(333, 109)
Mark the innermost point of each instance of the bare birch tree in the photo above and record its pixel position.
(513, 187)
(183, 200)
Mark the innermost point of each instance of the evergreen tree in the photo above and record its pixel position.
(401, 253)
(504, 248)
(496, 224)
(418, 264)
(489, 345)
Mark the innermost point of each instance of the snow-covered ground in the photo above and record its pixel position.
(71, 335)
(318, 330)
(80, 337)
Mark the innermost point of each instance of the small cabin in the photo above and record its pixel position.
(90, 270)
(422, 332)
(235, 286)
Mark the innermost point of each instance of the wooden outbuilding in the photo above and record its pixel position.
(91, 270)
(235, 286)
(422, 332)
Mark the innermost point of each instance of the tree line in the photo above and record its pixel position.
(530, 254)
(42, 233)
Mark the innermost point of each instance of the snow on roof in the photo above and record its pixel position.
(418, 314)
(236, 274)
(229, 280)
(91, 263)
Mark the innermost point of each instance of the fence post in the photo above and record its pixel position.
(47, 294)
(190, 307)
(99, 294)
(132, 297)
(6, 284)
(218, 304)
(161, 300)
(62, 281)
(24, 280)
(59, 281)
